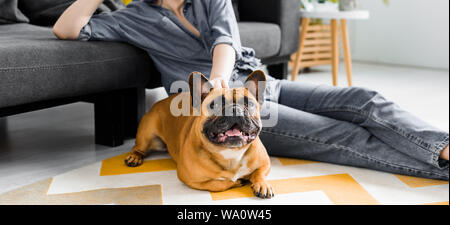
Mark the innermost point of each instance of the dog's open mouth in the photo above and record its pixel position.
(233, 134)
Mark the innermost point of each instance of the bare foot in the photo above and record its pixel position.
(444, 154)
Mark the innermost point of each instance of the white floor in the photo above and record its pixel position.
(43, 144)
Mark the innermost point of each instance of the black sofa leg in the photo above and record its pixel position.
(134, 110)
(279, 71)
(109, 119)
(117, 116)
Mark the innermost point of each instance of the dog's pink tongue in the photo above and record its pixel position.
(233, 132)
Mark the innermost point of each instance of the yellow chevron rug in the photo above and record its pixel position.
(295, 182)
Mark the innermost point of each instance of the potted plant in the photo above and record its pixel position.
(320, 5)
(331, 5)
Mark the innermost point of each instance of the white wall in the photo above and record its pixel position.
(407, 32)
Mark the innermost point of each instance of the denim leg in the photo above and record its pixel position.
(304, 135)
(366, 108)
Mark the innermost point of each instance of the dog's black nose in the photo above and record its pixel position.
(234, 110)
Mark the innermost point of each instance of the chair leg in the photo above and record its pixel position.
(335, 51)
(304, 31)
(347, 52)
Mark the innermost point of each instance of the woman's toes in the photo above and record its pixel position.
(445, 153)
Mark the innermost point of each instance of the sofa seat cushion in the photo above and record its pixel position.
(35, 66)
(265, 38)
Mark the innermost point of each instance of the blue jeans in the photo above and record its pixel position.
(355, 127)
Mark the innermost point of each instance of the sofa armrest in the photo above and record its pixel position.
(285, 13)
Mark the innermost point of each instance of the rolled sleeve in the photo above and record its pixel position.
(101, 27)
(224, 27)
(85, 33)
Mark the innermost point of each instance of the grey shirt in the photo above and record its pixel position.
(175, 50)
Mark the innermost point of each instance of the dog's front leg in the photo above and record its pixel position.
(260, 186)
(146, 140)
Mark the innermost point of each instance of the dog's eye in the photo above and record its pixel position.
(214, 105)
(250, 104)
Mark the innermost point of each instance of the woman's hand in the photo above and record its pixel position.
(219, 82)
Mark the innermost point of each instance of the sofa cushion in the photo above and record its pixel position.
(35, 66)
(265, 38)
(47, 12)
(9, 13)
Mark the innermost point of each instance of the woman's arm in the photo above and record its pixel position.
(224, 58)
(75, 18)
(226, 47)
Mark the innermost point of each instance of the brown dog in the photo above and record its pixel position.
(216, 150)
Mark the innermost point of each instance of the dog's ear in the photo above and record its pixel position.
(200, 87)
(256, 84)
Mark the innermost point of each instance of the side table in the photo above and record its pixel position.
(317, 46)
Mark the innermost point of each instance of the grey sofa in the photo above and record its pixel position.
(38, 71)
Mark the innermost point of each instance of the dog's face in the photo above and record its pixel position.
(230, 118)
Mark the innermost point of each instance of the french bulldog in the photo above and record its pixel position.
(218, 148)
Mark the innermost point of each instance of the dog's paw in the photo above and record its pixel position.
(262, 190)
(134, 160)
